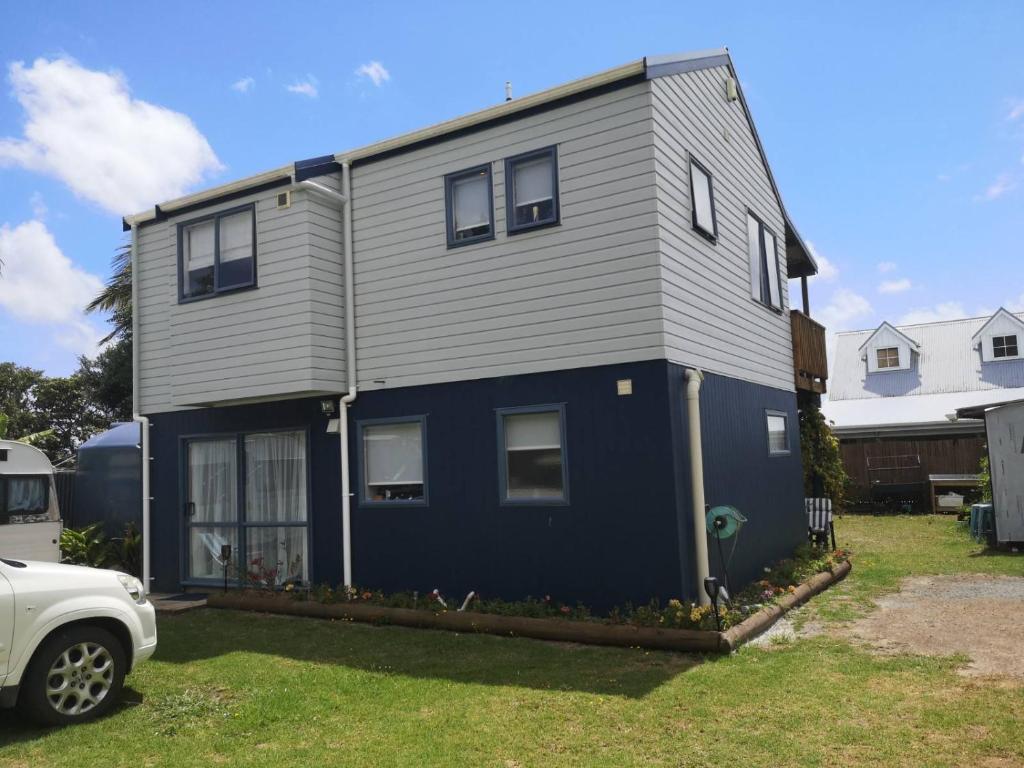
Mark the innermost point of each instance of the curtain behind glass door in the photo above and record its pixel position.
(212, 505)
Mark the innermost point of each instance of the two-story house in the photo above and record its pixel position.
(459, 358)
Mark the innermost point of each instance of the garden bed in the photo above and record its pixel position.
(589, 631)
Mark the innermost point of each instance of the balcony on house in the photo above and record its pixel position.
(810, 362)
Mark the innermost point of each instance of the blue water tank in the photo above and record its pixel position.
(108, 482)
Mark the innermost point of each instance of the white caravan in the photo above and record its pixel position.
(29, 514)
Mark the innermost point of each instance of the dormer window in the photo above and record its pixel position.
(998, 339)
(1004, 346)
(888, 357)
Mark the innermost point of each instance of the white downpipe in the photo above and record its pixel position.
(700, 540)
(142, 421)
(350, 365)
(343, 198)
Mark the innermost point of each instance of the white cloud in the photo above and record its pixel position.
(894, 286)
(1015, 109)
(947, 310)
(886, 266)
(375, 71)
(827, 271)
(1014, 305)
(844, 307)
(41, 286)
(244, 85)
(307, 87)
(84, 128)
(1004, 183)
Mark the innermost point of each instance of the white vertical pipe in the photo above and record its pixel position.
(700, 540)
(350, 364)
(142, 421)
(347, 398)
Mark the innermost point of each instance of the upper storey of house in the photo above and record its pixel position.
(627, 216)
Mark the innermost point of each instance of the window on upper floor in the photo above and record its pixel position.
(1004, 346)
(394, 461)
(469, 208)
(531, 190)
(765, 280)
(217, 253)
(702, 195)
(887, 357)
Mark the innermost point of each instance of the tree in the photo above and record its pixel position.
(823, 464)
(108, 380)
(16, 383)
(116, 296)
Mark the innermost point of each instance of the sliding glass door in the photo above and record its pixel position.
(248, 491)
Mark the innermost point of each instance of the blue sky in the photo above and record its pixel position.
(895, 131)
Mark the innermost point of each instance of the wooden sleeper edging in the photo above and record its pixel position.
(562, 630)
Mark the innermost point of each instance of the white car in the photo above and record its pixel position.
(68, 637)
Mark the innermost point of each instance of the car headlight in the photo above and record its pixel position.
(133, 587)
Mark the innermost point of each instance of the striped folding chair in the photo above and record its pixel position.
(819, 522)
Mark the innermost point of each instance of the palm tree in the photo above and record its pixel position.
(116, 297)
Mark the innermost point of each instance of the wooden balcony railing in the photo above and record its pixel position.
(810, 362)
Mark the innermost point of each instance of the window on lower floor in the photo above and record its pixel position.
(888, 357)
(1004, 346)
(217, 253)
(531, 444)
(246, 508)
(393, 461)
(778, 433)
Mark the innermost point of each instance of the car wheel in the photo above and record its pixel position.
(76, 675)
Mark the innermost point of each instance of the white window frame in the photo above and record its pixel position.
(889, 364)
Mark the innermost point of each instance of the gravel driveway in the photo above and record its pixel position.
(981, 617)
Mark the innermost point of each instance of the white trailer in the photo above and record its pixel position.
(30, 522)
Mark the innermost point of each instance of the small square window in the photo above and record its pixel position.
(531, 190)
(1004, 346)
(702, 196)
(217, 253)
(778, 433)
(469, 209)
(531, 454)
(393, 461)
(888, 357)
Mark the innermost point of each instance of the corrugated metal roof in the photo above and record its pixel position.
(946, 373)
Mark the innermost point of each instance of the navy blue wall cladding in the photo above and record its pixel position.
(739, 471)
(167, 512)
(616, 539)
(624, 535)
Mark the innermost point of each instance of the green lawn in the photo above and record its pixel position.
(240, 689)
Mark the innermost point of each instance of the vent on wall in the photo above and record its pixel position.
(3, 454)
(284, 199)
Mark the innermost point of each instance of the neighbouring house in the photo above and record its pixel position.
(458, 358)
(893, 397)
